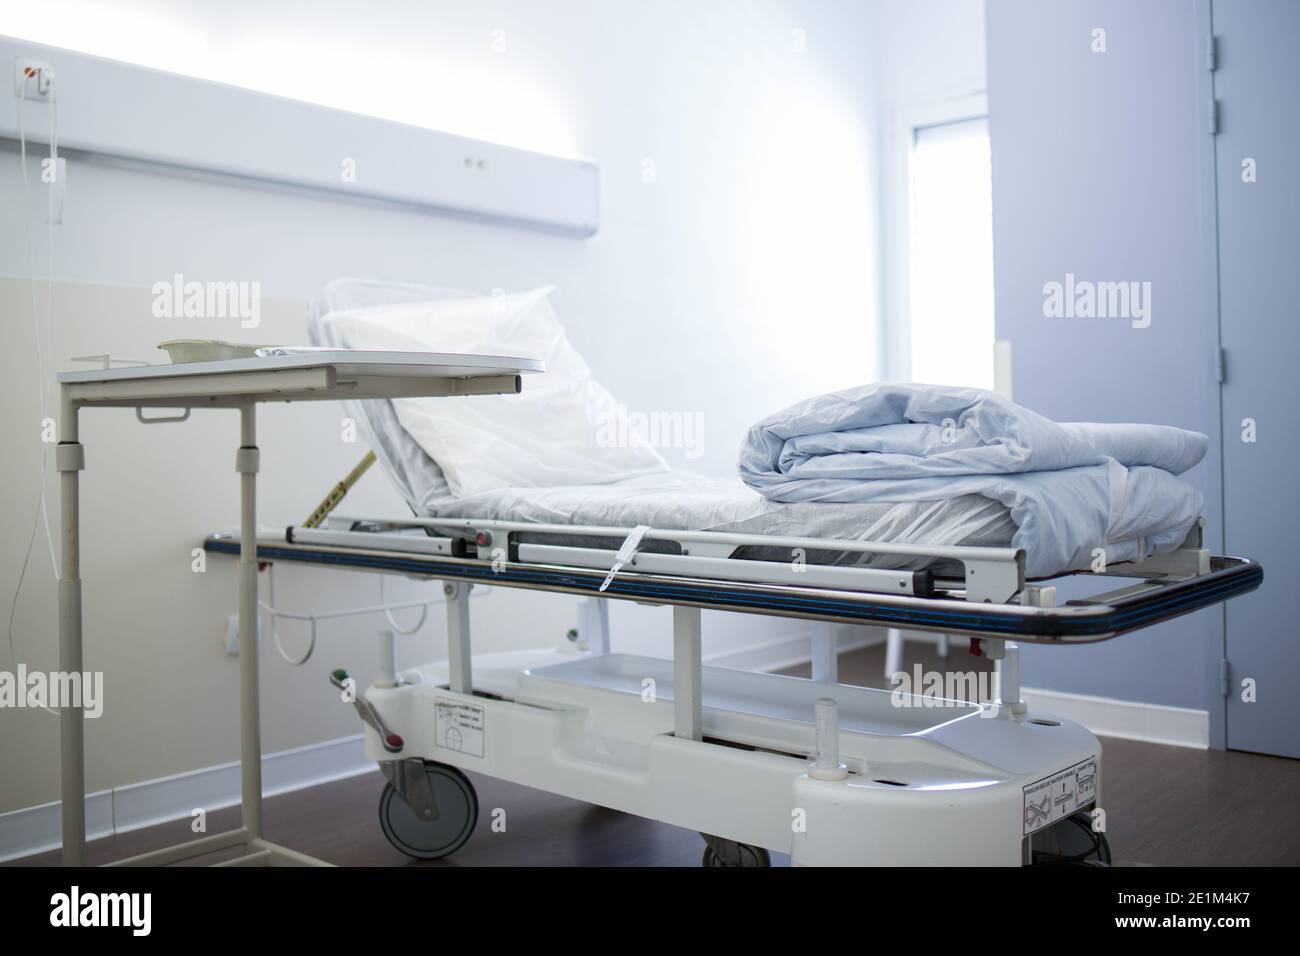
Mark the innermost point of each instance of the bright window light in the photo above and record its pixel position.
(951, 255)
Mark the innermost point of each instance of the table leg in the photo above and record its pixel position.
(69, 460)
(250, 732)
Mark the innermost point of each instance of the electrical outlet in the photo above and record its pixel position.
(56, 174)
(232, 635)
(33, 79)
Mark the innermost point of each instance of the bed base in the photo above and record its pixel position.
(829, 773)
(944, 784)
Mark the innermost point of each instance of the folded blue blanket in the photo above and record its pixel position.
(1070, 487)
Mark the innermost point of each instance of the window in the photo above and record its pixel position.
(950, 254)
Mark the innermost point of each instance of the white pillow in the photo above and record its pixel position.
(556, 432)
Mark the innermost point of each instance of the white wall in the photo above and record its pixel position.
(742, 278)
(929, 50)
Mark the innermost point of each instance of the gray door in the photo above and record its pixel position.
(1103, 168)
(1257, 84)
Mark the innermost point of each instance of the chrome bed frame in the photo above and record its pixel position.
(987, 596)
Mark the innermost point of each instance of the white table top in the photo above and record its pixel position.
(348, 363)
(330, 375)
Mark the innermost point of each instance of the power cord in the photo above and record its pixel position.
(1099, 851)
(41, 515)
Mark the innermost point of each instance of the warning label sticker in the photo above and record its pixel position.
(1056, 797)
(459, 726)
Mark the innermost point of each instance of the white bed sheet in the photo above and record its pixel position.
(676, 500)
(681, 501)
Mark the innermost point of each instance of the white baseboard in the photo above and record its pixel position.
(131, 807)
(38, 829)
(1127, 719)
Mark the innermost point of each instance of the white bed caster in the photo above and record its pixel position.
(720, 852)
(427, 810)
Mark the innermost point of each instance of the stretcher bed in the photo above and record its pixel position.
(823, 771)
(827, 772)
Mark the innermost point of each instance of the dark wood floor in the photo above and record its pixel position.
(1164, 806)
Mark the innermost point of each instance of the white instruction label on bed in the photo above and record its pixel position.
(1056, 797)
(459, 726)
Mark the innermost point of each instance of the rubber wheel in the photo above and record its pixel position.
(738, 855)
(431, 839)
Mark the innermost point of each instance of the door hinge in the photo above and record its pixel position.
(1223, 677)
(1211, 53)
(1213, 116)
(1220, 366)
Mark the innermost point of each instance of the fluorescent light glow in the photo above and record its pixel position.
(314, 59)
(480, 97)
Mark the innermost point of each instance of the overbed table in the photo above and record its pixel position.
(241, 384)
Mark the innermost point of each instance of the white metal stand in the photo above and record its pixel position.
(688, 691)
(825, 656)
(1006, 671)
(70, 459)
(250, 719)
(894, 645)
(461, 678)
(239, 384)
(893, 652)
(593, 624)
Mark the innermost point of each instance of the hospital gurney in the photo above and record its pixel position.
(520, 492)
(827, 772)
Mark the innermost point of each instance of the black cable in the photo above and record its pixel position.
(1100, 845)
(1099, 841)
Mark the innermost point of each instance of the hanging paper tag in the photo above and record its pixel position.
(626, 553)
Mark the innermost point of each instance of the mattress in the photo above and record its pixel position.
(681, 501)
